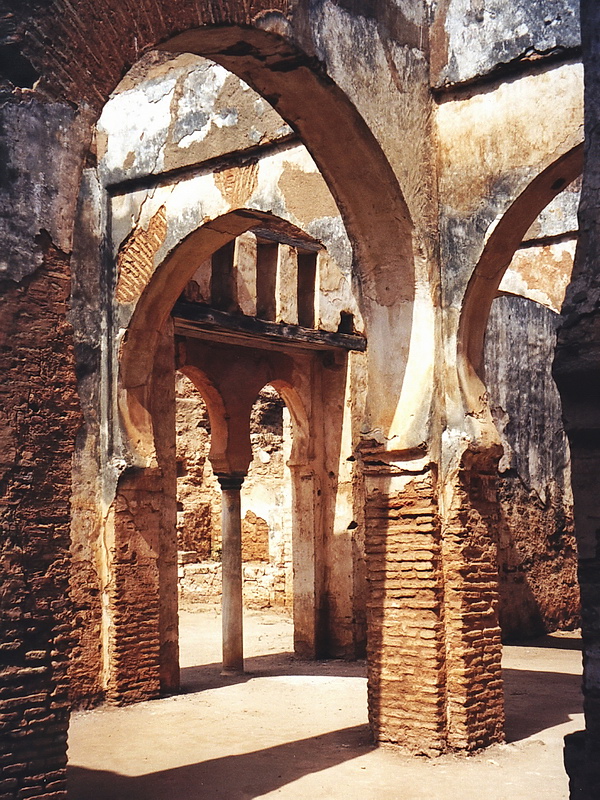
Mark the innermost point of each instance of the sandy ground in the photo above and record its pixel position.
(297, 730)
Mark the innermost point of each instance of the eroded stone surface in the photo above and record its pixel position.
(417, 203)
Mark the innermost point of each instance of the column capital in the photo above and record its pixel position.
(230, 481)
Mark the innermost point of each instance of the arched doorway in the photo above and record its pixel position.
(505, 362)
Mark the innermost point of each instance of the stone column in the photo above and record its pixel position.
(231, 560)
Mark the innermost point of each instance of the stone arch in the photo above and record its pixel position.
(500, 247)
(272, 47)
(137, 353)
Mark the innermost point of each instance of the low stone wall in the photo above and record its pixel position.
(265, 585)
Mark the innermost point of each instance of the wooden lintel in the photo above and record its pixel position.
(196, 319)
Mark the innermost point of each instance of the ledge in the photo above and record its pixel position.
(197, 320)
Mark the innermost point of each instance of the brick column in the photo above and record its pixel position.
(405, 644)
(40, 417)
(433, 641)
(140, 628)
(475, 700)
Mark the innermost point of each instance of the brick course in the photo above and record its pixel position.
(41, 417)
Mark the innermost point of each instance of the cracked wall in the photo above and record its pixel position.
(537, 549)
(422, 180)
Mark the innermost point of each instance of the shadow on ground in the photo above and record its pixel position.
(208, 676)
(564, 642)
(235, 777)
(536, 700)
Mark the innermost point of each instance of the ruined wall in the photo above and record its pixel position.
(40, 419)
(266, 505)
(353, 80)
(537, 554)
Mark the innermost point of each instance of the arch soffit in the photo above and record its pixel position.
(498, 252)
(269, 44)
(345, 150)
(300, 422)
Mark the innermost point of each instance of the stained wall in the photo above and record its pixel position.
(425, 166)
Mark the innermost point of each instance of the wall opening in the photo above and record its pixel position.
(266, 505)
(537, 553)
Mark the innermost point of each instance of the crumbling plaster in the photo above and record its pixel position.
(473, 38)
(487, 159)
(392, 159)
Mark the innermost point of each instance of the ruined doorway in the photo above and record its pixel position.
(538, 602)
(266, 506)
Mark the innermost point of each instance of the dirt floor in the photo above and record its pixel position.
(298, 730)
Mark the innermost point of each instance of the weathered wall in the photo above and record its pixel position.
(40, 419)
(576, 372)
(537, 555)
(471, 40)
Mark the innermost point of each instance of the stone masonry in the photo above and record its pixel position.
(372, 210)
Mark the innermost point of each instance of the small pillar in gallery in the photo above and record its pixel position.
(231, 560)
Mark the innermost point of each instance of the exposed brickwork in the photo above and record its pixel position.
(135, 262)
(85, 662)
(405, 642)
(40, 416)
(264, 584)
(434, 640)
(105, 41)
(473, 646)
(133, 592)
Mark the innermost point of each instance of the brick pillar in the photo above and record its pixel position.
(132, 649)
(475, 705)
(40, 417)
(141, 651)
(433, 641)
(42, 145)
(405, 642)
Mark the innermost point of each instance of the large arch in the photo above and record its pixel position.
(271, 47)
(80, 52)
(501, 244)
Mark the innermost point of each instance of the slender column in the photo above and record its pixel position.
(231, 561)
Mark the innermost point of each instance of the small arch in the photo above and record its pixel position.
(217, 413)
(300, 422)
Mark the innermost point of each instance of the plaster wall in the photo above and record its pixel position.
(471, 40)
(421, 188)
